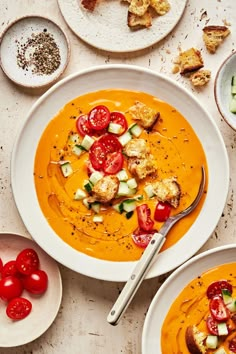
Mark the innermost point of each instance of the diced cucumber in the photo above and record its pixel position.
(149, 190)
(88, 186)
(125, 138)
(132, 183)
(122, 175)
(212, 342)
(66, 169)
(95, 177)
(123, 189)
(74, 138)
(138, 197)
(226, 296)
(129, 205)
(135, 130)
(220, 351)
(129, 214)
(233, 81)
(86, 203)
(232, 305)
(78, 149)
(87, 142)
(222, 329)
(232, 105)
(132, 191)
(96, 206)
(114, 128)
(233, 90)
(79, 194)
(98, 218)
(118, 207)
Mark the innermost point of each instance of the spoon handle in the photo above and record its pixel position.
(136, 278)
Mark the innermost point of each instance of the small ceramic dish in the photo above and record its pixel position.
(222, 89)
(34, 51)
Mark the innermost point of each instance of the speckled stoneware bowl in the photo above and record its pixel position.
(222, 89)
(34, 51)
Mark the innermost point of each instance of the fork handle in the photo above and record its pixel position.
(136, 278)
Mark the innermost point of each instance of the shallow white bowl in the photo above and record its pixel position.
(151, 338)
(222, 89)
(133, 78)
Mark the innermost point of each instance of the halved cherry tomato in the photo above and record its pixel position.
(9, 268)
(111, 143)
(99, 117)
(218, 309)
(36, 282)
(83, 126)
(97, 155)
(119, 118)
(232, 345)
(212, 326)
(141, 238)
(113, 163)
(10, 287)
(216, 287)
(27, 261)
(18, 308)
(144, 217)
(162, 211)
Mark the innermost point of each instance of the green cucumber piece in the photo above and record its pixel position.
(125, 138)
(114, 128)
(118, 207)
(79, 194)
(132, 184)
(98, 218)
(78, 149)
(232, 305)
(222, 329)
(87, 142)
(233, 80)
(129, 214)
(123, 190)
(227, 298)
(122, 175)
(148, 189)
(135, 130)
(129, 205)
(96, 206)
(95, 177)
(88, 186)
(74, 138)
(211, 342)
(66, 169)
(232, 105)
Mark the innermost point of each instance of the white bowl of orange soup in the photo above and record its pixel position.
(185, 300)
(184, 138)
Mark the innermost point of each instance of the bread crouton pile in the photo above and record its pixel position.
(190, 62)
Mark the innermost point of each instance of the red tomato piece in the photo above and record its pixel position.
(141, 238)
(10, 287)
(1, 264)
(113, 163)
(119, 118)
(97, 155)
(162, 211)
(9, 269)
(99, 117)
(111, 143)
(232, 345)
(27, 261)
(144, 217)
(18, 308)
(218, 309)
(212, 326)
(216, 288)
(83, 126)
(36, 282)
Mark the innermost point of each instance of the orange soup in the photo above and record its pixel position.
(174, 146)
(192, 308)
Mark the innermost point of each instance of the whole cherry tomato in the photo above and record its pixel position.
(9, 268)
(162, 211)
(10, 287)
(36, 282)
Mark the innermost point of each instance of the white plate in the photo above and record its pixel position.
(106, 27)
(44, 307)
(151, 338)
(133, 78)
(16, 36)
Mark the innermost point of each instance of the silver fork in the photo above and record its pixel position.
(143, 265)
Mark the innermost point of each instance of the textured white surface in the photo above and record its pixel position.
(81, 326)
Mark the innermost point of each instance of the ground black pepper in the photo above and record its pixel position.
(39, 53)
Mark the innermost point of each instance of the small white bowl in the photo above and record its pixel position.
(34, 51)
(222, 89)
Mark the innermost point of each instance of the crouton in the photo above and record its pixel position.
(160, 6)
(190, 60)
(141, 168)
(139, 7)
(136, 148)
(195, 340)
(136, 22)
(168, 190)
(200, 78)
(89, 4)
(146, 116)
(105, 189)
(213, 36)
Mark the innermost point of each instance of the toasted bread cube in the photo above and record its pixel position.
(195, 340)
(145, 115)
(213, 36)
(139, 7)
(168, 190)
(200, 78)
(160, 6)
(190, 60)
(137, 22)
(142, 167)
(89, 4)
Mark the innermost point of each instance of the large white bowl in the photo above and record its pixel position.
(151, 338)
(133, 78)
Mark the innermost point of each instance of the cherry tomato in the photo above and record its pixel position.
(212, 326)
(218, 309)
(27, 261)
(9, 269)
(36, 282)
(144, 217)
(113, 163)
(99, 117)
(10, 287)
(1, 264)
(232, 345)
(216, 287)
(142, 238)
(18, 308)
(111, 143)
(162, 211)
(119, 118)
(83, 126)
(97, 155)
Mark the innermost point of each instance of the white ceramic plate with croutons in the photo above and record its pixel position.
(106, 26)
(130, 78)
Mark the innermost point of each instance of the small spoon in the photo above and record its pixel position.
(143, 265)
